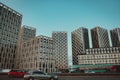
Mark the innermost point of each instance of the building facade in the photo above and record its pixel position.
(10, 22)
(115, 37)
(101, 56)
(38, 53)
(26, 33)
(61, 49)
(99, 37)
(80, 42)
(101, 53)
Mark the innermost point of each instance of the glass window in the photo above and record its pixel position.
(38, 72)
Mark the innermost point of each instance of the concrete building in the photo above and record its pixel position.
(38, 53)
(101, 53)
(26, 33)
(10, 22)
(99, 37)
(100, 56)
(115, 37)
(80, 42)
(61, 49)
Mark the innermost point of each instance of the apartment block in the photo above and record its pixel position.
(80, 42)
(61, 49)
(99, 37)
(100, 56)
(10, 22)
(38, 53)
(115, 37)
(26, 33)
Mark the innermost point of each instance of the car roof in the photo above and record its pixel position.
(36, 71)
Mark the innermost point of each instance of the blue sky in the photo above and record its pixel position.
(67, 15)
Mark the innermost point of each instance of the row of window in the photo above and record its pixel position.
(41, 50)
(8, 41)
(8, 28)
(10, 21)
(108, 52)
(7, 65)
(28, 36)
(99, 61)
(9, 12)
(103, 49)
(98, 56)
(41, 65)
(9, 31)
(29, 31)
(48, 42)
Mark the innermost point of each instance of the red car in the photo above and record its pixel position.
(16, 73)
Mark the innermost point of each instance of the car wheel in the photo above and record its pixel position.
(31, 78)
(52, 79)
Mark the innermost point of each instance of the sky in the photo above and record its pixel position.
(67, 15)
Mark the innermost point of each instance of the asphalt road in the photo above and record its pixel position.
(89, 78)
(5, 77)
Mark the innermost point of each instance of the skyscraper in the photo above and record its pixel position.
(61, 49)
(80, 42)
(115, 37)
(26, 33)
(38, 53)
(99, 37)
(10, 22)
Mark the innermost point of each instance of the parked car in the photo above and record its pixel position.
(5, 70)
(16, 73)
(39, 75)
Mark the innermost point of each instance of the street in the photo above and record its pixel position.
(5, 77)
(69, 77)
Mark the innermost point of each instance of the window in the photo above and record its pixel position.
(0, 8)
(38, 41)
(33, 42)
(43, 64)
(39, 72)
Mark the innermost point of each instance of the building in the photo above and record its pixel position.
(115, 37)
(26, 33)
(100, 56)
(80, 42)
(100, 37)
(38, 53)
(10, 22)
(61, 49)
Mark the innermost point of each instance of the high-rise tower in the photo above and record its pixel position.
(80, 42)
(99, 38)
(38, 53)
(61, 49)
(115, 37)
(10, 22)
(26, 33)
